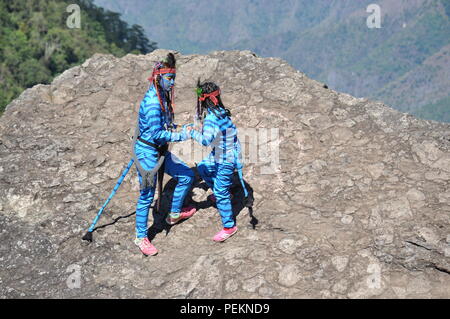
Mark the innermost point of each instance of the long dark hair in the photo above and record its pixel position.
(169, 62)
(207, 104)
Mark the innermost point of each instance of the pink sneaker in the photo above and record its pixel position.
(225, 233)
(146, 246)
(186, 212)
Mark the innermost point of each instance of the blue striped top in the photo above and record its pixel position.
(221, 134)
(153, 122)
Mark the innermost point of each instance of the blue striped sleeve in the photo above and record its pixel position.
(154, 119)
(208, 134)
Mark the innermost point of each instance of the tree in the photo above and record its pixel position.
(36, 45)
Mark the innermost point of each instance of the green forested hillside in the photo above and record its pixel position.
(36, 44)
(439, 111)
(404, 64)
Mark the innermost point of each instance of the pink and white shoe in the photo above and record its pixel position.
(225, 233)
(186, 212)
(146, 246)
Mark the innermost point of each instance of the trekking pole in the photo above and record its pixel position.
(88, 235)
(163, 151)
(160, 188)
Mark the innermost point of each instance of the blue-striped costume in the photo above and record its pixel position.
(153, 127)
(218, 167)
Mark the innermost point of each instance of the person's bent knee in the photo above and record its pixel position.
(187, 179)
(205, 170)
(202, 170)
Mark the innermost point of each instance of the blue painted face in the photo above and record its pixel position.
(167, 81)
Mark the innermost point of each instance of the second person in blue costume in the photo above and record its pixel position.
(218, 167)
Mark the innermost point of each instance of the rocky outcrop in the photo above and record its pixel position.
(357, 207)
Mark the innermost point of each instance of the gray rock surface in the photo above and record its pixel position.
(359, 206)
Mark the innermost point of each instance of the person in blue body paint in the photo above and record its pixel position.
(155, 123)
(218, 167)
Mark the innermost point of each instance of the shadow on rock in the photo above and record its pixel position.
(238, 202)
(114, 221)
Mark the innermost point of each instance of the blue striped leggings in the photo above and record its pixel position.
(176, 169)
(219, 177)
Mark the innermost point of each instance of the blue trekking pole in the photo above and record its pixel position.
(88, 235)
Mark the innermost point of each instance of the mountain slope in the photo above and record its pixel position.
(328, 40)
(440, 109)
(433, 71)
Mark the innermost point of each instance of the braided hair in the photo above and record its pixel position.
(208, 104)
(169, 63)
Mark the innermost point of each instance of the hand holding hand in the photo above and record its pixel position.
(187, 128)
